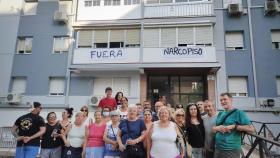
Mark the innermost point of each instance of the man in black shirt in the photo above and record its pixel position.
(27, 130)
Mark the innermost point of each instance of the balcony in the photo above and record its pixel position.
(179, 10)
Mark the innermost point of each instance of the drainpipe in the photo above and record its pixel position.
(253, 54)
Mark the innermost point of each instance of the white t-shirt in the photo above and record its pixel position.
(76, 136)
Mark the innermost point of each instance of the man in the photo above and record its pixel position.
(209, 122)
(108, 100)
(229, 125)
(201, 109)
(158, 105)
(27, 130)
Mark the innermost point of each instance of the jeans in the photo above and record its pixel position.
(27, 151)
(96, 152)
(51, 152)
(227, 153)
(197, 153)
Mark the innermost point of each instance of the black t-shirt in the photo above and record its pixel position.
(28, 125)
(196, 135)
(48, 139)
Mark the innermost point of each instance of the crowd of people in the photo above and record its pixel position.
(138, 131)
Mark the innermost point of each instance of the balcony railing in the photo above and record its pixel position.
(179, 10)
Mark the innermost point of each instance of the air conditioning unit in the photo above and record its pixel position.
(13, 98)
(60, 16)
(271, 7)
(235, 9)
(94, 100)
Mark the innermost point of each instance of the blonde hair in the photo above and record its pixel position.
(164, 108)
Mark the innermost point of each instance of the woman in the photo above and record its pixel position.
(131, 134)
(118, 98)
(195, 130)
(148, 122)
(123, 110)
(66, 118)
(163, 135)
(106, 115)
(94, 144)
(75, 137)
(51, 142)
(87, 120)
(110, 137)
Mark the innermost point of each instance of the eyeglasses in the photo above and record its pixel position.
(84, 110)
(178, 115)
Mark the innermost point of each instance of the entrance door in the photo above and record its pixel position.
(177, 89)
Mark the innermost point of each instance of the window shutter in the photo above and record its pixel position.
(275, 36)
(168, 37)
(117, 36)
(28, 44)
(234, 39)
(101, 36)
(185, 35)
(19, 85)
(121, 84)
(65, 6)
(65, 44)
(85, 38)
(57, 85)
(152, 1)
(57, 43)
(278, 85)
(21, 44)
(99, 85)
(30, 8)
(151, 37)
(165, 1)
(204, 35)
(133, 36)
(237, 85)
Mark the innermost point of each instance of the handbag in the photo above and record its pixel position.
(135, 150)
(187, 145)
(117, 147)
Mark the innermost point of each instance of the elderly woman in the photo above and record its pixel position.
(131, 134)
(51, 141)
(94, 144)
(75, 137)
(163, 135)
(110, 136)
(195, 130)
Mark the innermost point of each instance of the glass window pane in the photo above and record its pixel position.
(191, 85)
(174, 85)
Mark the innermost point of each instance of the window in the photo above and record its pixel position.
(65, 6)
(185, 36)
(117, 83)
(96, 3)
(61, 45)
(234, 40)
(165, 1)
(85, 39)
(131, 2)
(152, 1)
(132, 38)
(18, 85)
(238, 86)
(168, 37)
(117, 38)
(203, 35)
(278, 85)
(56, 86)
(227, 2)
(24, 45)
(151, 37)
(101, 39)
(88, 3)
(30, 8)
(112, 2)
(275, 37)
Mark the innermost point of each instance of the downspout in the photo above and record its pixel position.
(253, 54)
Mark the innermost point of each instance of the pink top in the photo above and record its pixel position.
(95, 137)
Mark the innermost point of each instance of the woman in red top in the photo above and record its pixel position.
(94, 144)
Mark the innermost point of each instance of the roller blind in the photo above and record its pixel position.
(168, 37)
(237, 84)
(56, 86)
(117, 83)
(185, 35)
(133, 36)
(203, 35)
(85, 38)
(121, 84)
(275, 36)
(117, 36)
(30, 8)
(151, 37)
(234, 39)
(101, 36)
(99, 85)
(19, 85)
(278, 85)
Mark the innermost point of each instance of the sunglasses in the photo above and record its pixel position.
(84, 110)
(182, 115)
